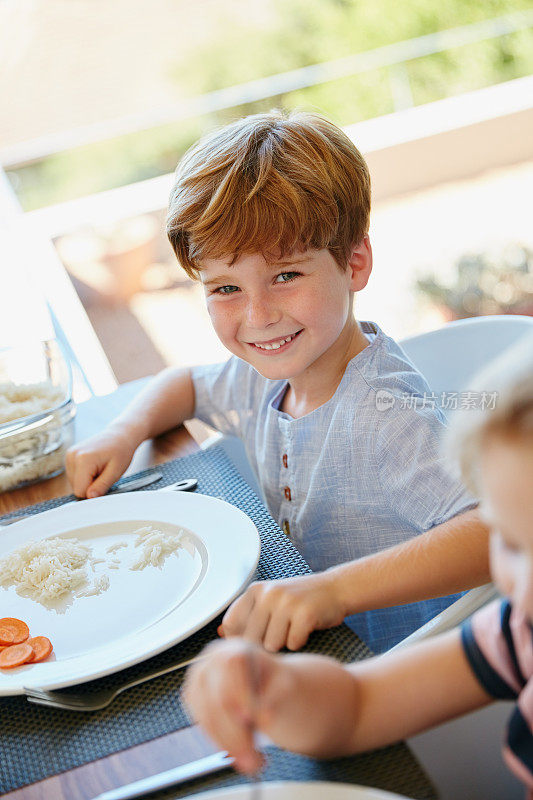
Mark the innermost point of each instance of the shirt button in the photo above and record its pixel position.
(286, 528)
(284, 459)
(287, 492)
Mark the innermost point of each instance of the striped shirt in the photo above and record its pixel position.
(361, 473)
(498, 643)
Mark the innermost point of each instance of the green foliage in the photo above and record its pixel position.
(302, 32)
(104, 165)
(251, 40)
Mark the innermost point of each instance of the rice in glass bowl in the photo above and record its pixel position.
(36, 412)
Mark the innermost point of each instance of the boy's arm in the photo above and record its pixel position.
(315, 706)
(410, 690)
(165, 402)
(94, 464)
(451, 557)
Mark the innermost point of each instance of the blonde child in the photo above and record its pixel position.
(315, 706)
(271, 214)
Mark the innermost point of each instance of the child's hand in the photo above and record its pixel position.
(93, 465)
(305, 703)
(231, 693)
(283, 613)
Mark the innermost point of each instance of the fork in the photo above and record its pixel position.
(94, 701)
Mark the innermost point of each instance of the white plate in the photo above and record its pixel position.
(300, 790)
(143, 612)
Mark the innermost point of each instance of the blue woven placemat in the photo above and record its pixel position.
(36, 742)
(391, 769)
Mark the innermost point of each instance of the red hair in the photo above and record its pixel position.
(269, 183)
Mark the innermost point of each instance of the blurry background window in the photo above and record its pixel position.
(99, 99)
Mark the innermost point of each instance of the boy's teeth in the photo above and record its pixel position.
(276, 345)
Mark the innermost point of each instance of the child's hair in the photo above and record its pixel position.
(269, 183)
(509, 382)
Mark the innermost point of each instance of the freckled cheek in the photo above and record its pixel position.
(325, 309)
(224, 320)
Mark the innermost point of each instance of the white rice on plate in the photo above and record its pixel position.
(156, 546)
(53, 568)
(48, 569)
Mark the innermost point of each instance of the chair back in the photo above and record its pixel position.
(450, 356)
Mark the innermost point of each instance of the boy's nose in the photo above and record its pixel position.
(260, 312)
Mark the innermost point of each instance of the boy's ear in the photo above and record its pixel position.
(360, 264)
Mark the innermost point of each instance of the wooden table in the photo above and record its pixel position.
(156, 755)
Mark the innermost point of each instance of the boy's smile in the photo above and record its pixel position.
(290, 318)
(274, 346)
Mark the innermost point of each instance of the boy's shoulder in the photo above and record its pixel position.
(391, 395)
(384, 366)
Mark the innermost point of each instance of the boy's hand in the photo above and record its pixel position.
(92, 466)
(235, 690)
(283, 613)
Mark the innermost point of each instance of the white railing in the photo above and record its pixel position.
(393, 56)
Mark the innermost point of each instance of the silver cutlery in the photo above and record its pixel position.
(94, 701)
(255, 786)
(186, 485)
(136, 483)
(163, 780)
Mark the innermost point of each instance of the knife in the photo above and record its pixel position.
(136, 483)
(195, 769)
(127, 486)
(255, 784)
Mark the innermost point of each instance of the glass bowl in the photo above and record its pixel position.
(36, 412)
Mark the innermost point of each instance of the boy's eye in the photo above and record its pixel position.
(285, 277)
(226, 290)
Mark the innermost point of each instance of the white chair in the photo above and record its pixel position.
(463, 757)
(449, 358)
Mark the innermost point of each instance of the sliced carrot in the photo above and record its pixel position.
(15, 655)
(7, 636)
(41, 646)
(19, 628)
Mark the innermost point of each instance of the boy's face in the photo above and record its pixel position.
(283, 316)
(507, 504)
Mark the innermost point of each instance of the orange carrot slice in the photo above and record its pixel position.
(15, 655)
(41, 646)
(7, 636)
(19, 628)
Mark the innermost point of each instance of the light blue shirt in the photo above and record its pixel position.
(358, 474)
